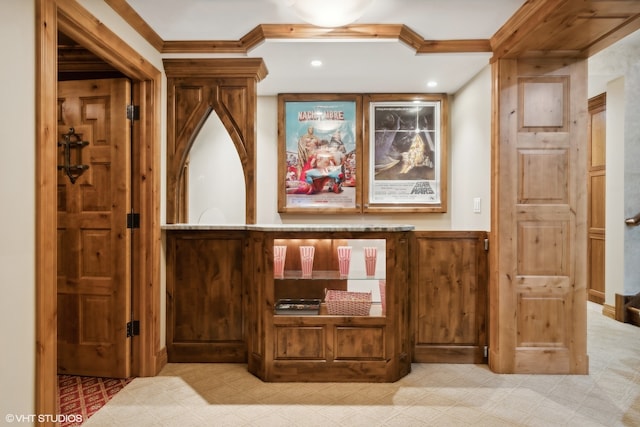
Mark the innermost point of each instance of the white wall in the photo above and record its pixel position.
(614, 190)
(17, 218)
(216, 181)
(632, 172)
(616, 71)
(470, 175)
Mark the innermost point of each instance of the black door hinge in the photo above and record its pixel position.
(133, 112)
(133, 220)
(133, 328)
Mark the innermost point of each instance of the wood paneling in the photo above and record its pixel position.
(596, 193)
(449, 297)
(571, 28)
(196, 88)
(445, 295)
(292, 342)
(360, 343)
(538, 312)
(206, 297)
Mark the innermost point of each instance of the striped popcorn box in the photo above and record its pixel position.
(306, 259)
(344, 260)
(370, 254)
(279, 256)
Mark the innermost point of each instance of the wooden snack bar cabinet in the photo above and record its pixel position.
(329, 347)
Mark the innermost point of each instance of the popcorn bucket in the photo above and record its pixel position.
(306, 259)
(344, 260)
(279, 256)
(382, 284)
(370, 260)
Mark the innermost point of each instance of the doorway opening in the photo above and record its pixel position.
(76, 23)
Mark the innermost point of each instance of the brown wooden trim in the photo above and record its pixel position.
(453, 46)
(204, 46)
(609, 311)
(84, 28)
(527, 18)
(46, 209)
(564, 29)
(146, 179)
(162, 359)
(620, 313)
(264, 32)
(140, 25)
(618, 33)
(216, 67)
(597, 102)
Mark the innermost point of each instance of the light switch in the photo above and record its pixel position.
(476, 205)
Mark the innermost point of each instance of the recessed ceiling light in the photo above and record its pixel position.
(432, 83)
(316, 63)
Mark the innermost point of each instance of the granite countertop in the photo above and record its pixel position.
(292, 227)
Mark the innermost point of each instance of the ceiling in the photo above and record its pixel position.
(364, 65)
(382, 52)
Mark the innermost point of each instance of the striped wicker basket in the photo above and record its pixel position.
(347, 303)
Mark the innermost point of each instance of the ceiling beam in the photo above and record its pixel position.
(575, 28)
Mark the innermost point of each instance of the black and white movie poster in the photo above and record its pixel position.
(404, 163)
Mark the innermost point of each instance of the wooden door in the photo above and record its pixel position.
(596, 196)
(538, 251)
(93, 239)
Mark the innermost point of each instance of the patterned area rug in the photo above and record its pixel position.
(81, 397)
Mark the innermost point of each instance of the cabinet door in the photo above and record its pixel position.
(449, 297)
(205, 316)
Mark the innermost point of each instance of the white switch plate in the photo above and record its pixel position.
(476, 205)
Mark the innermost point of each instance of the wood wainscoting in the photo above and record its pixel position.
(206, 313)
(449, 296)
(208, 283)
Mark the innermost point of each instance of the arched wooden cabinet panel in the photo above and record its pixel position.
(197, 88)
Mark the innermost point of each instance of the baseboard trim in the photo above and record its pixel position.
(161, 359)
(609, 311)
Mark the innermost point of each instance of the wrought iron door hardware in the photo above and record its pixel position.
(73, 141)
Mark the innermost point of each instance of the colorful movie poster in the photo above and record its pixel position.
(404, 163)
(320, 146)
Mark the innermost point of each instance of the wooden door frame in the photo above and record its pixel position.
(75, 21)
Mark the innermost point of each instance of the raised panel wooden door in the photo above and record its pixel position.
(93, 239)
(538, 258)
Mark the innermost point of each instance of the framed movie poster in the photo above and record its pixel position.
(319, 153)
(406, 153)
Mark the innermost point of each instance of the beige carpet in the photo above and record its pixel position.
(432, 395)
